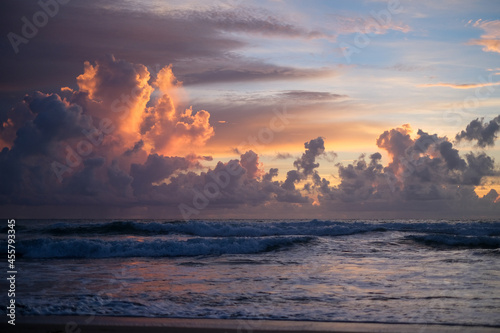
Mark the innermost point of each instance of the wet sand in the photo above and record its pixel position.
(83, 324)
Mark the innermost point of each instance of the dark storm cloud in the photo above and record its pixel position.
(119, 180)
(54, 121)
(136, 148)
(484, 133)
(451, 156)
(305, 167)
(194, 40)
(306, 163)
(273, 172)
(85, 182)
(478, 166)
(157, 168)
(358, 179)
(292, 177)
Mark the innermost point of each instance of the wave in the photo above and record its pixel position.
(97, 248)
(261, 229)
(474, 242)
(212, 229)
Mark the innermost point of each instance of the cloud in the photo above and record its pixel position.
(345, 25)
(460, 85)
(120, 140)
(358, 179)
(424, 169)
(283, 156)
(402, 67)
(490, 40)
(484, 133)
(306, 164)
(395, 142)
(251, 71)
(204, 43)
(111, 131)
(429, 167)
(302, 95)
(122, 92)
(489, 45)
(251, 21)
(250, 162)
(268, 177)
(156, 169)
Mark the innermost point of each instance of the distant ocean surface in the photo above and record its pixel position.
(403, 271)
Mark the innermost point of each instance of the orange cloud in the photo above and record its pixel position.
(490, 45)
(118, 91)
(491, 39)
(123, 93)
(166, 128)
(460, 85)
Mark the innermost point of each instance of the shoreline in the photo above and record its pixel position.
(82, 324)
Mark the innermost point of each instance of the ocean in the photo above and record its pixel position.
(397, 271)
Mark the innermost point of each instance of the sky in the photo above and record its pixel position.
(249, 109)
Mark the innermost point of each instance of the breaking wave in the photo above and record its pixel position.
(97, 248)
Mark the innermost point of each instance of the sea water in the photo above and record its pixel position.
(366, 271)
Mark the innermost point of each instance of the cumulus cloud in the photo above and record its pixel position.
(110, 131)
(306, 163)
(484, 133)
(250, 162)
(157, 168)
(422, 170)
(395, 142)
(305, 166)
(121, 140)
(360, 180)
(122, 92)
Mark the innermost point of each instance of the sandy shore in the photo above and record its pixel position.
(83, 324)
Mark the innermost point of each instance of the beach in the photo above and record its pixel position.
(181, 325)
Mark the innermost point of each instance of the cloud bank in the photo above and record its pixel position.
(120, 140)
